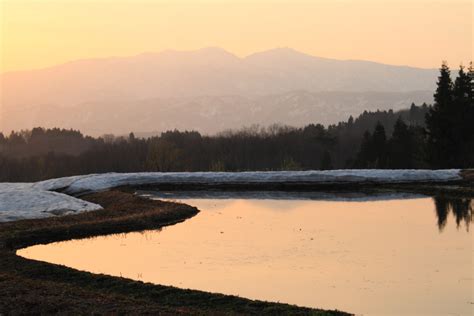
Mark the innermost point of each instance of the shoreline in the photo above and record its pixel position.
(29, 286)
(61, 196)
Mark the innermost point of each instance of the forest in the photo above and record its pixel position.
(440, 135)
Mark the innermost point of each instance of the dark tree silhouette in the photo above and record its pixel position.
(326, 161)
(373, 150)
(438, 122)
(463, 118)
(365, 155)
(450, 122)
(462, 89)
(402, 147)
(379, 141)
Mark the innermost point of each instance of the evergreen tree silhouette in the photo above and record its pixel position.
(462, 85)
(373, 149)
(463, 118)
(365, 154)
(379, 143)
(401, 146)
(440, 122)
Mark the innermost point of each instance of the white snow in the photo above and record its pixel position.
(35, 200)
(98, 182)
(24, 202)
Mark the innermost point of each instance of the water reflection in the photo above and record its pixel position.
(460, 208)
(363, 254)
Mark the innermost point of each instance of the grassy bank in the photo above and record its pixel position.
(28, 286)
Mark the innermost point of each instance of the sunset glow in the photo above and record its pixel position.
(310, 157)
(37, 34)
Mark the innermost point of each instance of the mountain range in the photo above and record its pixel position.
(207, 90)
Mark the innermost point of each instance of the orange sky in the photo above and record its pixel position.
(40, 33)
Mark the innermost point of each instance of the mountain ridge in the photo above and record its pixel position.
(211, 72)
(86, 59)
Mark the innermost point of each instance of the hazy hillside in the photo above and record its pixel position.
(213, 114)
(208, 89)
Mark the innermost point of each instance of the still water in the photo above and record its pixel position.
(377, 256)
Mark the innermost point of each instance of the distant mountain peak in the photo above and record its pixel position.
(284, 54)
(209, 71)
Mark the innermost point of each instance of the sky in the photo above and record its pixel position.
(421, 33)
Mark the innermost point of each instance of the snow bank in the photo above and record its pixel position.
(24, 202)
(98, 182)
(36, 200)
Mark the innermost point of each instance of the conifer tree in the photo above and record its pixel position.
(469, 120)
(462, 89)
(450, 127)
(463, 119)
(379, 143)
(364, 155)
(470, 73)
(401, 146)
(444, 91)
(439, 121)
(350, 122)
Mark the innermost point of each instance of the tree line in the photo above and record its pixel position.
(424, 136)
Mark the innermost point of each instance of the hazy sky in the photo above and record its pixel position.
(39, 33)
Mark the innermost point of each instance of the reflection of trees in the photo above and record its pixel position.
(461, 208)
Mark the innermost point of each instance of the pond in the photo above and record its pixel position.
(366, 254)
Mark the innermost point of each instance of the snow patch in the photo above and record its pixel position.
(25, 203)
(36, 200)
(98, 182)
